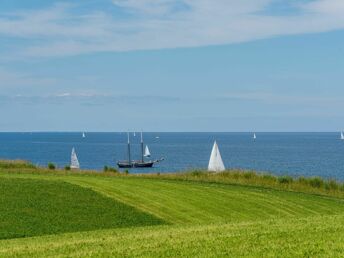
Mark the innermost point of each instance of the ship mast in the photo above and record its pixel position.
(129, 158)
(142, 147)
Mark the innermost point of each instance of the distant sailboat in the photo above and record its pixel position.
(134, 134)
(83, 135)
(254, 136)
(74, 162)
(147, 152)
(215, 162)
(341, 135)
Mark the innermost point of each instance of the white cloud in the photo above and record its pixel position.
(326, 6)
(151, 24)
(149, 7)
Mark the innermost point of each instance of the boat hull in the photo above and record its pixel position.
(135, 164)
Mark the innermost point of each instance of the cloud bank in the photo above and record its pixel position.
(128, 25)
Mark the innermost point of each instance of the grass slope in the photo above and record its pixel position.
(30, 207)
(313, 237)
(182, 202)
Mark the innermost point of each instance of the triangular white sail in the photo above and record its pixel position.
(74, 162)
(147, 152)
(254, 136)
(83, 135)
(215, 162)
(341, 135)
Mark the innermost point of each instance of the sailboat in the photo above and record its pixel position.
(147, 152)
(254, 136)
(83, 135)
(137, 163)
(74, 162)
(341, 135)
(215, 162)
(134, 134)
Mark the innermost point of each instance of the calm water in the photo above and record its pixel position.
(305, 154)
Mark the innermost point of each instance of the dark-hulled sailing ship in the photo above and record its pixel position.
(138, 163)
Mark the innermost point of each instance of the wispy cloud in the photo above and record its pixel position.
(278, 99)
(85, 98)
(61, 30)
(11, 79)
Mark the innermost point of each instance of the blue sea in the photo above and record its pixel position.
(295, 154)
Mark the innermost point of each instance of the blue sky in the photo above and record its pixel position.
(172, 65)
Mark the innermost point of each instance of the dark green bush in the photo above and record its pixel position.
(285, 179)
(51, 166)
(249, 175)
(110, 169)
(67, 167)
(316, 182)
(197, 173)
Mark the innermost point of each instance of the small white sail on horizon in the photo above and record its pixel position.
(83, 135)
(341, 135)
(74, 162)
(215, 162)
(254, 136)
(147, 152)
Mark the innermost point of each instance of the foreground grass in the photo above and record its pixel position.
(230, 214)
(31, 207)
(316, 237)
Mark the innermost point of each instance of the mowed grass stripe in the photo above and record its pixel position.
(192, 202)
(319, 236)
(156, 199)
(31, 207)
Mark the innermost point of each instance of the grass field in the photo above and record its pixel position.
(31, 207)
(321, 236)
(203, 218)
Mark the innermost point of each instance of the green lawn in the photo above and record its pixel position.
(31, 207)
(202, 219)
(182, 202)
(320, 236)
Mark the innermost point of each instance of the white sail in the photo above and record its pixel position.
(215, 162)
(147, 152)
(341, 135)
(83, 135)
(74, 162)
(254, 136)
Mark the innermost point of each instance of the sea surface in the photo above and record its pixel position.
(295, 154)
